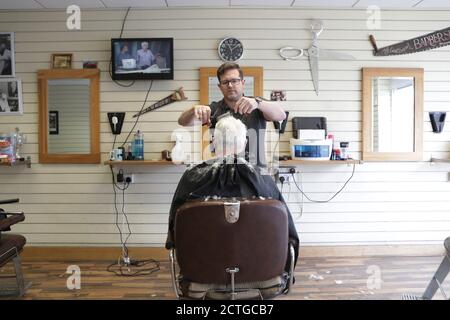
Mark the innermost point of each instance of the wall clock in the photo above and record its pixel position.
(231, 49)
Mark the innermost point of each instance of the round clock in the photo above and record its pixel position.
(231, 49)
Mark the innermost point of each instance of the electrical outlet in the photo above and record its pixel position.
(285, 176)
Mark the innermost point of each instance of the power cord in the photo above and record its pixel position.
(111, 59)
(123, 243)
(282, 183)
(139, 114)
(114, 142)
(127, 270)
(302, 201)
(125, 266)
(325, 201)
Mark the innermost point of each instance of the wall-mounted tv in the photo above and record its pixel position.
(142, 58)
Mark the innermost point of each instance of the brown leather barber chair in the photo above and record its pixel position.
(10, 247)
(230, 249)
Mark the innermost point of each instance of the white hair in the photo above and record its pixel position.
(229, 136)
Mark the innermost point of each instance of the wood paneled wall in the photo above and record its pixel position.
(386, 203)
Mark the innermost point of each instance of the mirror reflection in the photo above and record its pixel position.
(392, 105)
(393, 114)
(69, 116)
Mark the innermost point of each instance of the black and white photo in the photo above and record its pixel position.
(53, 122)
(10, 97)
(7, 54)
(278, 95)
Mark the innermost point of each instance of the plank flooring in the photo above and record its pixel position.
(343, 278)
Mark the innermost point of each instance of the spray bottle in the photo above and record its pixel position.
(138, 146)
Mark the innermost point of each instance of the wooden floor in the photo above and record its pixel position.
(343, 278)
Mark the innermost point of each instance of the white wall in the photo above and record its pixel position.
(386, 203)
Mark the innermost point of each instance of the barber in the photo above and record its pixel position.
(253, 112)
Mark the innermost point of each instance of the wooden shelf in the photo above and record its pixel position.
(142, 163)
(318, 162)
(282, 163)
(440, 160)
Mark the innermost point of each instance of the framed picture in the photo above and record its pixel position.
(62, 60)
(11, 97)
(7, 65)
(53, 122)
(278, 95)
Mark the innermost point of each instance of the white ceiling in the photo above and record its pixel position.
(360, 4)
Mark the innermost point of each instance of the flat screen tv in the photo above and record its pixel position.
(142, 58)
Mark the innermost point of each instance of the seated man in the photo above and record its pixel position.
(228, 175)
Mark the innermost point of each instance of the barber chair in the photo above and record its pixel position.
(438, 278)
(10, 247)
(231, 249)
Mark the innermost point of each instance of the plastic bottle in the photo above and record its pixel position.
(344, 150)
(177, 150)
(337, 154)
(138, 146)
(331, 137)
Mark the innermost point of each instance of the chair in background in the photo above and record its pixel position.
(10, 247)
(230, 249)
(438, 278)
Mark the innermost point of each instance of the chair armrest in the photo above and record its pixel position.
(9, 201)
(11, 220)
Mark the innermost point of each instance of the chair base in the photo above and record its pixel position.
(407, 296)
(186, 290)
(437, 280)
(242, 291)
(13, 291)
(21, 288)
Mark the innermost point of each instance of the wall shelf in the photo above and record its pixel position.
(26, 162)
(284, 163)
(142, 163)
(440, 160)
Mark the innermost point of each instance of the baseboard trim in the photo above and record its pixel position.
(32, 253)
(371, 250)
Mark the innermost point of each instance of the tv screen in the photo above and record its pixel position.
(142, 58)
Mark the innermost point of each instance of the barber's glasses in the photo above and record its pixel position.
(233, 82)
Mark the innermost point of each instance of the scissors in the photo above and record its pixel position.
(314, 53)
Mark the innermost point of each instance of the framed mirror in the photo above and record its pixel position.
(209, 92)
(69, 120)
(392, 124)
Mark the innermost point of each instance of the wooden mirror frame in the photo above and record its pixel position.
(94, 76)
(367, 75)
(207, 72)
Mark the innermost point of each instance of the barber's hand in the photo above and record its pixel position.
(202, 113)
(245, 105)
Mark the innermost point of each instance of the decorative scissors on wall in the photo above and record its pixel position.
(314, 53)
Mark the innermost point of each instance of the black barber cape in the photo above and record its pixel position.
(226, 178)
